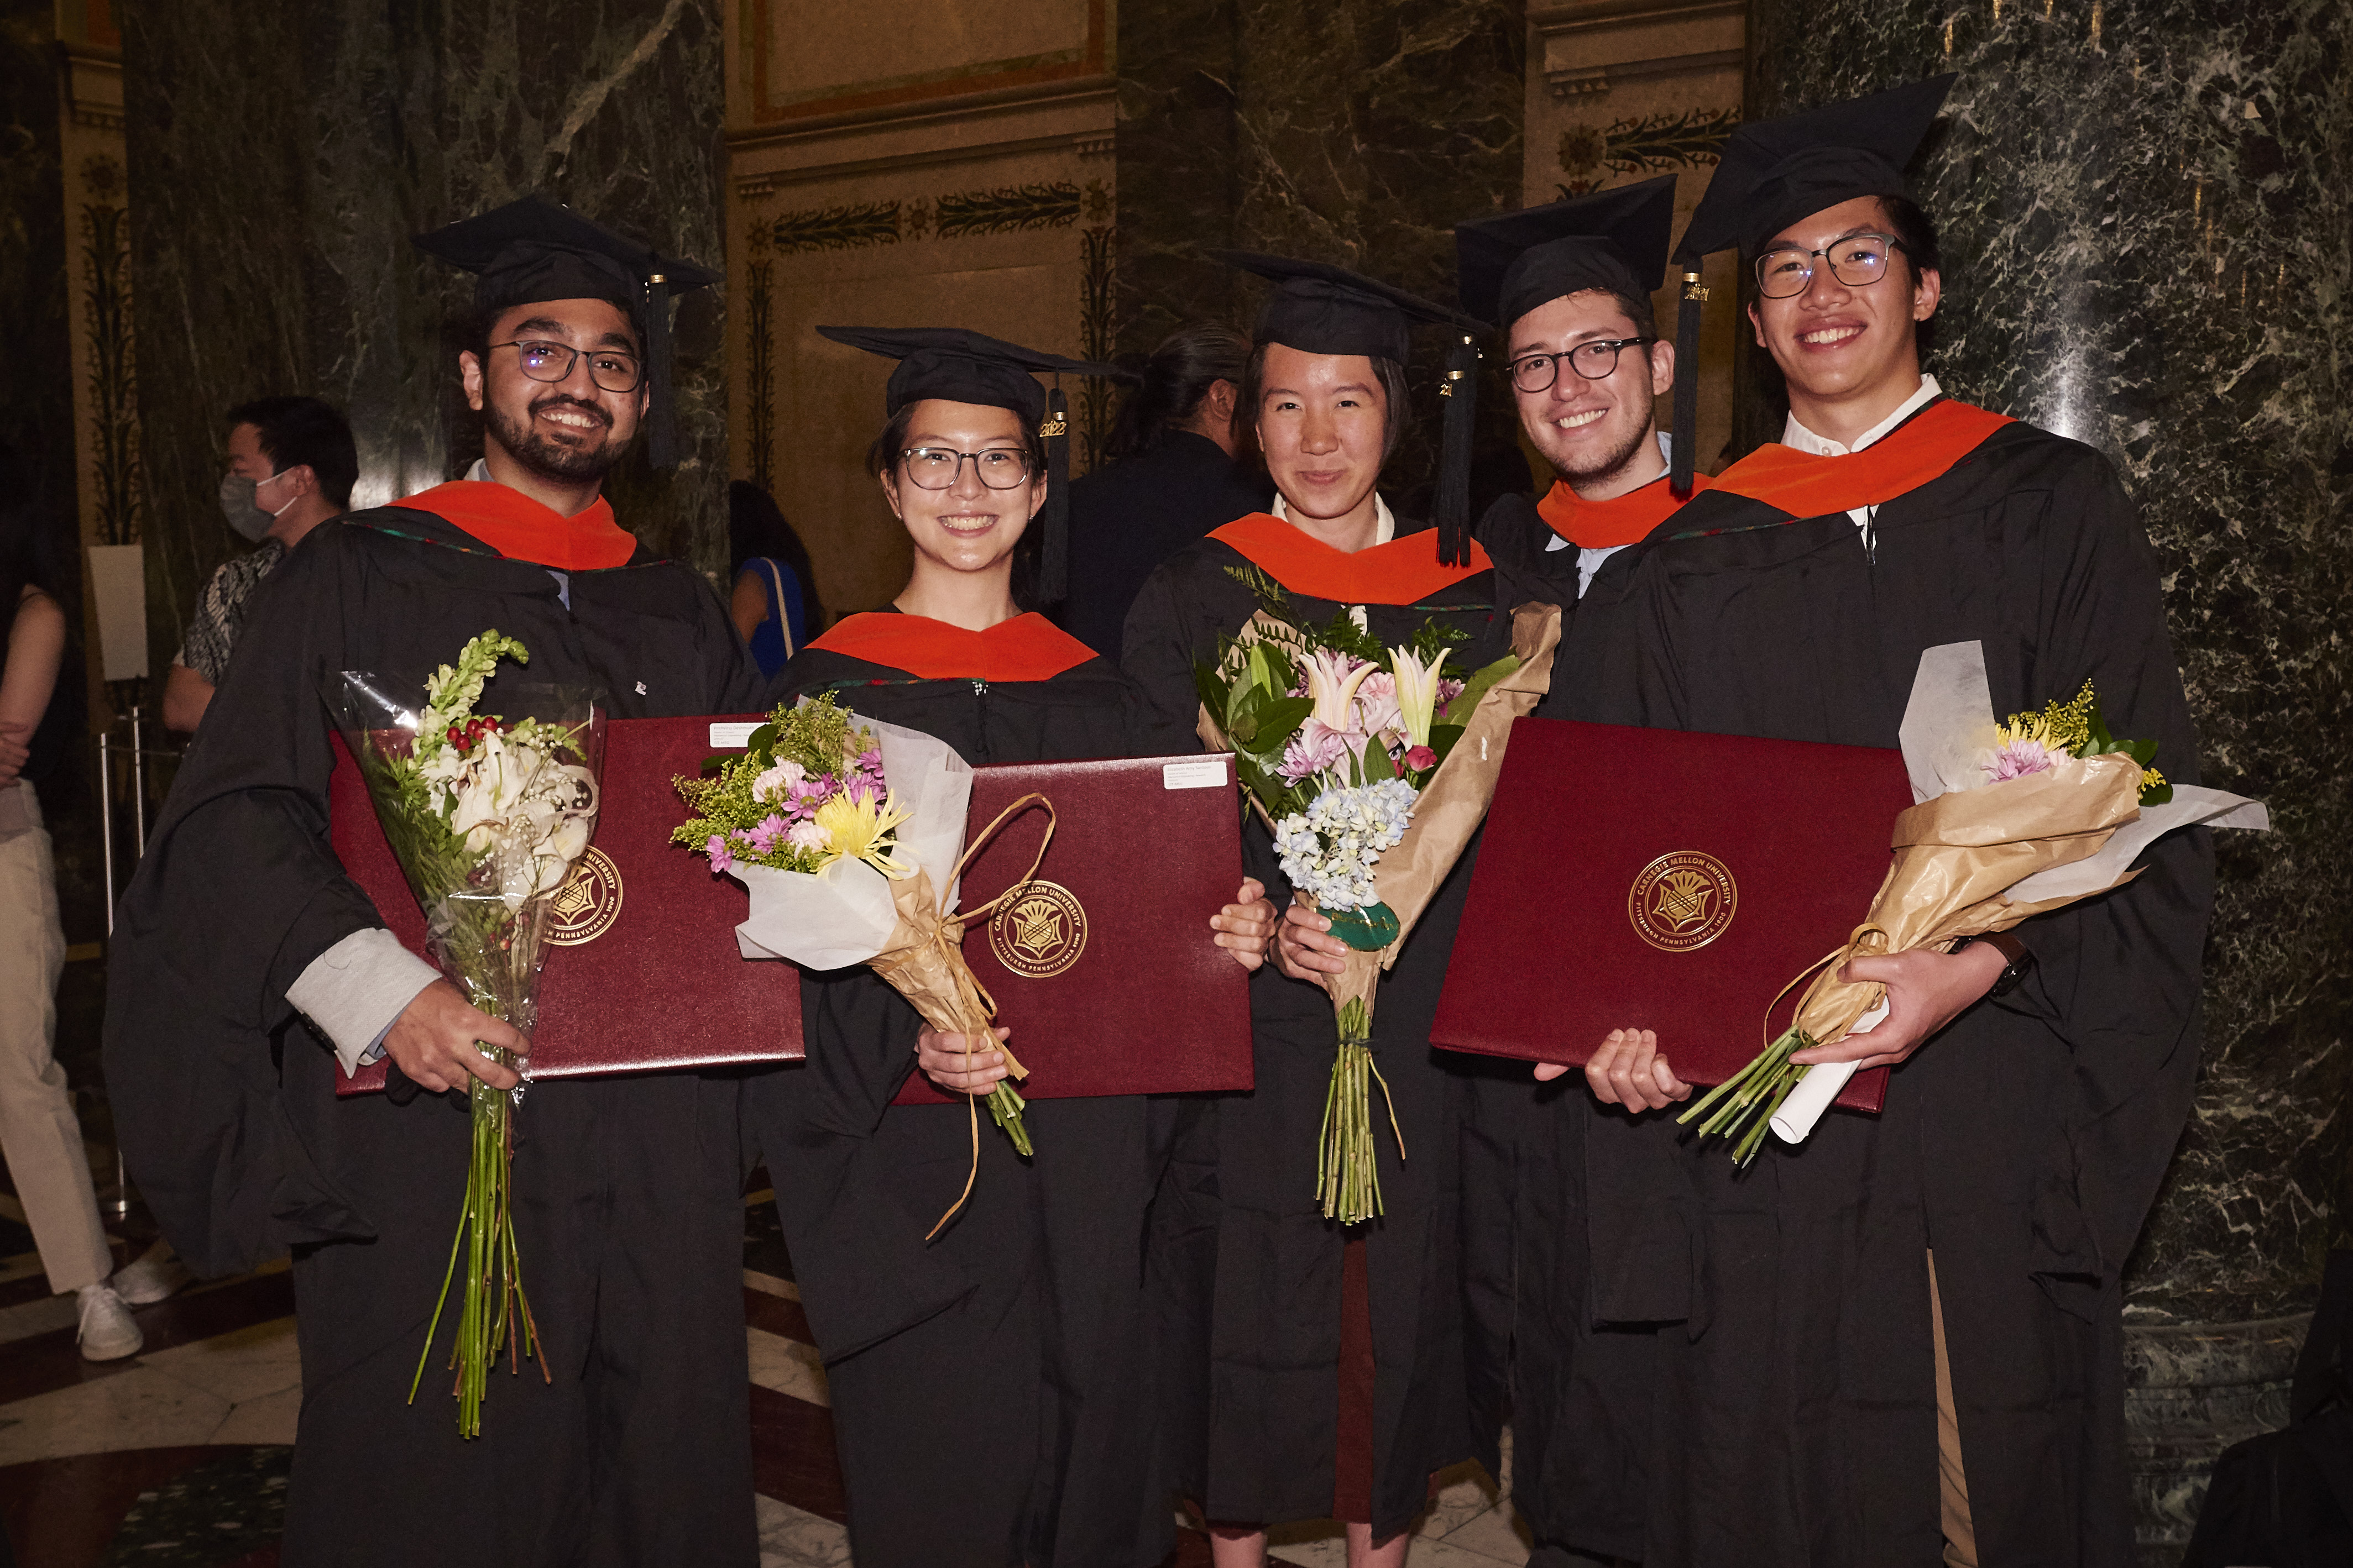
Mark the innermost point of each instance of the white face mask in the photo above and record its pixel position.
(243, 513)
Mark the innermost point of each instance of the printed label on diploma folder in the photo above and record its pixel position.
(1667, 880)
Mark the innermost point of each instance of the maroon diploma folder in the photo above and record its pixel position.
(1103, 967)
(642, 968)
(1665, 880)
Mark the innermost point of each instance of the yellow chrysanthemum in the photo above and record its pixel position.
(855, 830)
(2061, 726)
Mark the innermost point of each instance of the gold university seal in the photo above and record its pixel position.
(1041, 932)
(588, 903)
(1683, 901)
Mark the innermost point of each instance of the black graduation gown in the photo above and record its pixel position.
(627, 1191)
(1129, 516)
(990, 1389)
(2024, 1144)
(1581, 1228)
(1249, 1269)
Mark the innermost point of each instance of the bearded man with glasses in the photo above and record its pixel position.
(223, 1036)
(1906, 1335)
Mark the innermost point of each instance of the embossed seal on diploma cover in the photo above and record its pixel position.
(1683, 901)
(589, 901)
(1041, 933)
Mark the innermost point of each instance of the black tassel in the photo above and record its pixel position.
(1686, 437)
(661, 431)
(1449, 506)
(1053, 518)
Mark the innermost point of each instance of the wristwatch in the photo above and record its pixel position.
(2014, 973)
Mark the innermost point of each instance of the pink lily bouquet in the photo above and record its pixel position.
(1374, 766)
(487, 815)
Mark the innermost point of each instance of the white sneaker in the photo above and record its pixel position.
(154, 1275)
(107, 1331)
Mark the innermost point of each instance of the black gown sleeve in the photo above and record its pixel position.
(1157, 649)
(2118, 976)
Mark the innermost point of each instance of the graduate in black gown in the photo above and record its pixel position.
(1317, 1371)
(245, 962)
(1562, 1294)
(1908, 1342)
(1171, 478)
(991, 1389)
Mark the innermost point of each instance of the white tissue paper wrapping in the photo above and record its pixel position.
(1948, 730)
(843, 915)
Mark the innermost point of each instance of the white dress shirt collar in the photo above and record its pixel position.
(1796, 434)
(1384, 524)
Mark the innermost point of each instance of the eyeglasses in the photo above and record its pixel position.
(610, 369)
(1858, 261)
(936, 467)
(1593, 359)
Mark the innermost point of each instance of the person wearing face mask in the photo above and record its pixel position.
(291, 466)
(248, 968)
(1315, 1370)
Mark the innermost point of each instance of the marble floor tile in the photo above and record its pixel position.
(269, 1419)
(38, 1316)
(1461, 1493)
(242, 1365)
(142, 1408)
(19, 1266)
(787, 1366)
(1496, 1534)
(790, 1538)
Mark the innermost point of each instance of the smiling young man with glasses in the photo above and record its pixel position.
(1907, 1336)
(248, 964)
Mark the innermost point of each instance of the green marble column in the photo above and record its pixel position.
(2145, 217)
(282, 152)
(1358, 131)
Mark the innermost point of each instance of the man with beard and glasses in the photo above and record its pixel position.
(248, 964)
(1573, 1233)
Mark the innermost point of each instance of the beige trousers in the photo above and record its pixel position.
(38, 1132)
(1952, 1481)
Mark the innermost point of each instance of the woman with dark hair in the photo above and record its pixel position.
(992, 1390)
(38, 1128)
(1172, 477)
(774, 602)
(1315, 1369)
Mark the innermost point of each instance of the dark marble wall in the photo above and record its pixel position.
(37, 393)
(2145, 208)
(1358, 132)
(282, 152)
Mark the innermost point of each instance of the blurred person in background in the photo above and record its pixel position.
(38, 1130)
(291, 466)
(774, 602)
(1172, 478)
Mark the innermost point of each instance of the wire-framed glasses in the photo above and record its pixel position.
(610, 369)
(1593, 359)
(1858, 261)
(936, 467)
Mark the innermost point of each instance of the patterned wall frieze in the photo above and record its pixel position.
(1098, 316)
(1644, 144)
(953, 215)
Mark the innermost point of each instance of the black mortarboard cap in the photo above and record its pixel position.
(958, 366)
(1614, 240)
(1320, 308)
(1774, 172)
(535, 249)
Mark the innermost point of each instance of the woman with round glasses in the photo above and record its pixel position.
(991, 1390)
(1316, 1370)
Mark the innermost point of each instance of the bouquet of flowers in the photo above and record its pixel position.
(486, 813)
(2010, 821)
(847, 833)
(1374, 766)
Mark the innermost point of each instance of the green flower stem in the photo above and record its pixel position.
(1347, 1174)
(1005, 1108)
(1741, 1108)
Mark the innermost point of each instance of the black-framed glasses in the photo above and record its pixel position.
(1858, 261)
(611, 369)
(1593, 359)
(936, 467)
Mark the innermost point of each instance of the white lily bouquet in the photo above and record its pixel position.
(1374, 766)
(2009, 821)
(850, 835)
(487, 815)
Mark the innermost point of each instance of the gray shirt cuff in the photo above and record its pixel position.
(354, 992)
